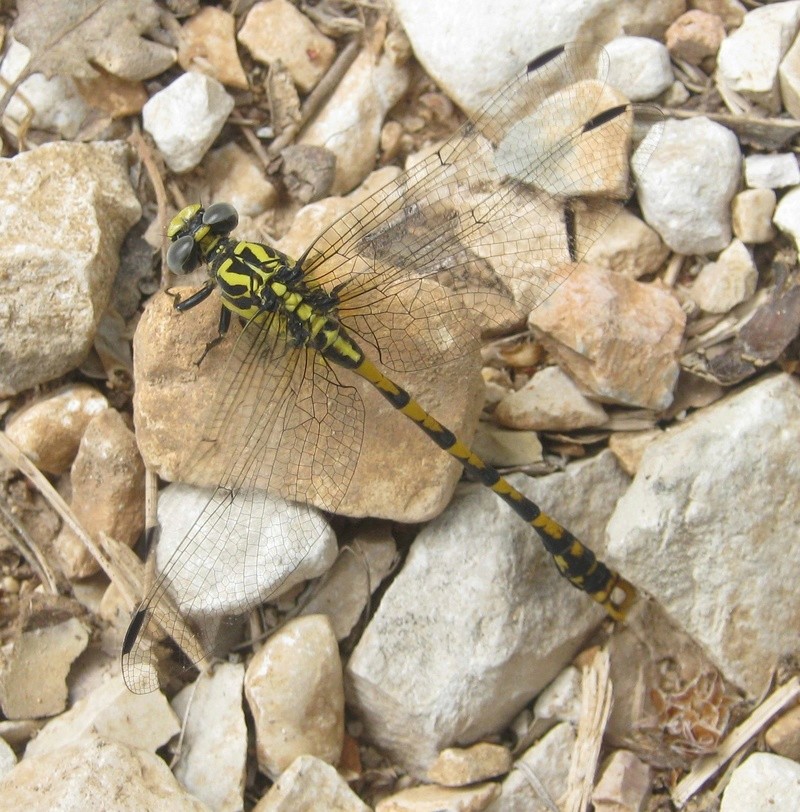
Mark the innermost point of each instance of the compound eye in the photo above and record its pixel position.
(222, 218)
(182, 256)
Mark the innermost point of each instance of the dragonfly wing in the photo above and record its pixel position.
(492, 222)
(281, 422)
(242, 548)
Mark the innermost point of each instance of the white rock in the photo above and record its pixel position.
(295, 693)
(687, 187)
(477, 580)
(640, 67)
(725, 283)
(310, 784)
(95, 775)
(350, 123)
(549, 401)
(472, 67)
(751, 215)
(42, 338)
(54, 104)
(137, 720)
(206, 583)
(185, 117)
(33, 681)
(763, 782)
(213, 751)
(787, 215)
(687, 496)
(354, 576)
(771, 171)
(748, 59)
(548, 760)
(561, 699)
(789, 75)
(7, 758)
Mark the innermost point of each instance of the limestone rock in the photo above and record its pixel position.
(294, 689)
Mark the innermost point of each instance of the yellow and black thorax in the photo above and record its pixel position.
(258, 283)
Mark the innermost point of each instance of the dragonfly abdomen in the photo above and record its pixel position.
(576, 562)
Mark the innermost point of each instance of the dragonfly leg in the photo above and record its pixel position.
(222, 330)
(182, 305)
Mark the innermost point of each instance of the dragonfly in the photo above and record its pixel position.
(470, 239)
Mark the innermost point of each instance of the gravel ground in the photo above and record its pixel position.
(594, 282)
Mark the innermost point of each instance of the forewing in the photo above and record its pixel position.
(280, 422)
(488, 226)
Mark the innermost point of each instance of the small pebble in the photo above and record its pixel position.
(751, 215)
(640, 67)
(459, 766)
(208, 44)
(723, 284)
(185, 117)
(694, 36)
(276, 30)
(49, 431)
(783, 735)
(771, 171)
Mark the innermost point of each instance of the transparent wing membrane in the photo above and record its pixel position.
(474, 236)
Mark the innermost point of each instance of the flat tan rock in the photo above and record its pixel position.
(616, 338)
(49, 431)
(33, 682)
(173, 396)
(277, 31)
(294, 689)
(459, 766)
(107, 491)
(208, 43)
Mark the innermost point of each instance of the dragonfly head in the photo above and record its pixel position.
(194, 231)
